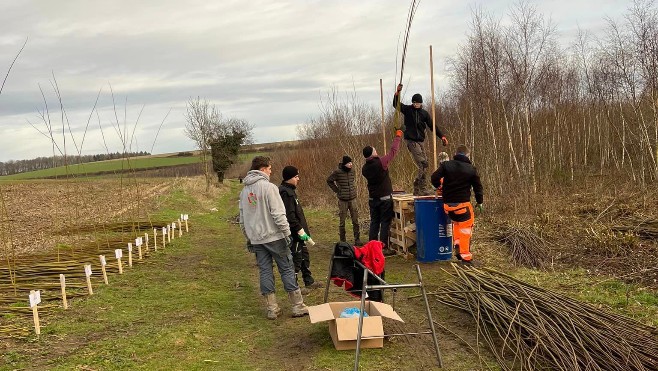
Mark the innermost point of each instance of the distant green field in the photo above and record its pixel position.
(105, 166)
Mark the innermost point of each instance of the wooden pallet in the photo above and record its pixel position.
(403, 227)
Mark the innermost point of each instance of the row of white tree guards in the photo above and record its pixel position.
(168, 233)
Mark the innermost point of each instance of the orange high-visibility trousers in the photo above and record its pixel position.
(462, 219)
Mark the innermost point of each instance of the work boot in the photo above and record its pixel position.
(417, 189)
(388, 251)
(299, 309)
(273, 309)
(341, 234)
(423, 188)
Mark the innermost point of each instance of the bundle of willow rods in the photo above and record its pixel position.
(528, 327)
(643, 227)
(527, 246)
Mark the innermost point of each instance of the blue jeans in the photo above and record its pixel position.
(280, 252)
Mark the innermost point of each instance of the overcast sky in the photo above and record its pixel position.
(268, 62)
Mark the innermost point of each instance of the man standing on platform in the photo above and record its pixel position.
(380, 201)
(459, 176)
(416, 120)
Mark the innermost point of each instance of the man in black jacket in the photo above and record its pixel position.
(459, 176)
(298, 227)
(380, 188)
(416, 120)
(342, 182)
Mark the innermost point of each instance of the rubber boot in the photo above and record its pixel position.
(273, 309)
(299, 309)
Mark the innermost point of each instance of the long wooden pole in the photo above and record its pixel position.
(381, 94)
(433, 108)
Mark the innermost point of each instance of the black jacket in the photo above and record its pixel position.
(379, 182)
(415, 121)
(459, 175)
(294, 212)
(342, 182)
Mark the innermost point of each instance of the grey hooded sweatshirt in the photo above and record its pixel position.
(262, 214)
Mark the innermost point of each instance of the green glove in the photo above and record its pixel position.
(479, 208)
(304, 237)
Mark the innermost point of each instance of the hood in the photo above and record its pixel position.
(253, 176)
(462, 157)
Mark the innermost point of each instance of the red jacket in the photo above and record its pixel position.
(371, 256)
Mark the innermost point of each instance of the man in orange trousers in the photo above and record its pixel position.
(459, 176)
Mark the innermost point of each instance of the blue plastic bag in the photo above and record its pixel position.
(352, 312)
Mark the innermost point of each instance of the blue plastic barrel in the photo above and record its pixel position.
(433, 235)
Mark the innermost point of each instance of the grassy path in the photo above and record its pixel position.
(195, 306)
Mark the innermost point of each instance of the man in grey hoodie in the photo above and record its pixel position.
(264, 224)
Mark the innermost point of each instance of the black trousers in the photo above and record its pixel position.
(381, 215)
(302, 261)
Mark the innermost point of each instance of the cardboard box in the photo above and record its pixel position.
(344, 330)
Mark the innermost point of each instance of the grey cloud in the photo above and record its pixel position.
(267, 62)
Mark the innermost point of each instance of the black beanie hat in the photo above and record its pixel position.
(367, 151)
(346, 160)
(417, 98)
(289, 172)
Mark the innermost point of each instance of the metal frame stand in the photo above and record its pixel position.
(385, 286)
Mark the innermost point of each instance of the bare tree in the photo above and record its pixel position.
(201, 118)
(217, 138)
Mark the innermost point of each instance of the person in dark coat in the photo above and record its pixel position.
(380, 190)
(458, 176)
(298, 227)
(342, 182)
(416, 121)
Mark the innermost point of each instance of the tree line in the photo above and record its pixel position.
(40, 163)
(536, 114)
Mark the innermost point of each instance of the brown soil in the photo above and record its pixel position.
(37, 211)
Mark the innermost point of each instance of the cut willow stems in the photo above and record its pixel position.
(410, 17)
(529, 327)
